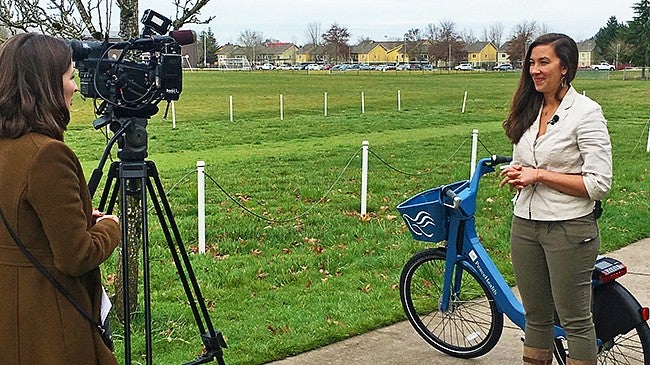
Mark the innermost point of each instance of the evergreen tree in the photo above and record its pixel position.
(207, 47)
(639, 35)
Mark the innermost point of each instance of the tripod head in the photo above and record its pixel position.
(129, 127)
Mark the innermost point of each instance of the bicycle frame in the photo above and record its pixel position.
(463, 244)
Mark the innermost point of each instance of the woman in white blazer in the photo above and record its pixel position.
(562, 165)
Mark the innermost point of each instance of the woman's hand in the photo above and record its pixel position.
(518, 177)
(98, 216)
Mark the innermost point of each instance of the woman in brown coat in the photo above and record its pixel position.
(47, 203)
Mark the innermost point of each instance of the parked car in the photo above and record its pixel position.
(267, 66)
(503, 67)
(603, 66)
(464, 67)
(313, 66)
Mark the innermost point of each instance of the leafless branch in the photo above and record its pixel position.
(188, 11)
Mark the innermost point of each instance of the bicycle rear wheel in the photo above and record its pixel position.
(470, 327)
(632, 348)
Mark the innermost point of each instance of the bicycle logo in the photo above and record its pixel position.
(422, 225)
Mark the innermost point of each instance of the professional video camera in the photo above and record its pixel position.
(133, 76)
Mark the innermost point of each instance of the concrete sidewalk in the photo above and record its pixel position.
(399, 344)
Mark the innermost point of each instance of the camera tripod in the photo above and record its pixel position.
(133, 177)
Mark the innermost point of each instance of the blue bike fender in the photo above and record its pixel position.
(615, 311)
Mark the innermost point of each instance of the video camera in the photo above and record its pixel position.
(133, 76)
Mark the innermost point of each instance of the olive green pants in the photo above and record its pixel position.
(553, 262)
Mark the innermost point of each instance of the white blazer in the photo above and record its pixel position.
(577, 143)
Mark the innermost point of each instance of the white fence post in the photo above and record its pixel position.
(464, 101)
(399, 100)
(281, 107)
(474, 148)
(173, 115)
(363, 103)
(326, 103)
(200, 169)
(231, 114)
(364, 177)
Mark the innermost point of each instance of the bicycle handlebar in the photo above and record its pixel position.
(456, 200)
(498, 160)
(465, 199)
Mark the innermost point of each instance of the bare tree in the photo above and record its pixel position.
(336, 43)
(414, 44)
(314, 32)
(76, 18)
(188, 11)
(251, 40)
(468, 36)
(448, 44)
(60, 18)
(431, 32)
(523, 35)
(494, 34)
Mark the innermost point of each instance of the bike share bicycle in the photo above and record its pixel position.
(130, 86)
(455, 297)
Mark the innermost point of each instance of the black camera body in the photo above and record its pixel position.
(137, 73)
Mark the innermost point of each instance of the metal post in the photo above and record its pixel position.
(464, 101)
(231, 114)
(173, 115)
(281, 107)
(364, 176)
(399, 100)
(200, 169)
(474, 148)
(363, 103)
(326, 103)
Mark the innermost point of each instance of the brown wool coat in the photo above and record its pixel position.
(45, 197)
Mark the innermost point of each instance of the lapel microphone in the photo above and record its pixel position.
(554, 120)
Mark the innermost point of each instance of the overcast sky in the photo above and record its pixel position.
(287, 20)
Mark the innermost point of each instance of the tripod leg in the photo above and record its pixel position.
(212, 340)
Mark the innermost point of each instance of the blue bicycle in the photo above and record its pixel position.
(455, 297)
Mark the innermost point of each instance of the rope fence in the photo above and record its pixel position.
(365, 152)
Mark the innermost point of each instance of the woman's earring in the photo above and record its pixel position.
(563, 81)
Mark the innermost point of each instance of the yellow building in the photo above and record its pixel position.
(395, 52)
(369, 52)
(482, 54)
(310, 53)
(587, 53)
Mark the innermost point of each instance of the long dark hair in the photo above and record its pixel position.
(31, 86)
(526, 101)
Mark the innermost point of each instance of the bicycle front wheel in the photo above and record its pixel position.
(632, 348)
(470, 327)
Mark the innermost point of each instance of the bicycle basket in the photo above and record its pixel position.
(425, 215)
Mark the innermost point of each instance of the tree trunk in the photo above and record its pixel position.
(128, 18)
(129, 29)
(134, 236)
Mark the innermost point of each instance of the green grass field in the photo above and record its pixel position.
(312, 272)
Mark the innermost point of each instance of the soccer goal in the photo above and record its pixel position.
(237, 63)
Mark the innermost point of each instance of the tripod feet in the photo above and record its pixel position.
(213, 349)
